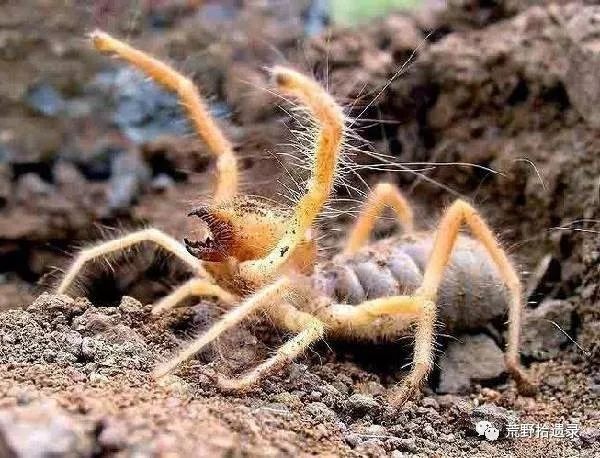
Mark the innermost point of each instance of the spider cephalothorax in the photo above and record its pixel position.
(261, 256)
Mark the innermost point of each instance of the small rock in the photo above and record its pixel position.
(129, 175)
(175, 385)
(374, 430)
(315, 395)
(541, 338)
(583, 61)
(44, 99)
(112, 436)
(446, 401)
(408, 445)
(430, 402)
(371, 448)
(130, 305)
(288, 399)
(499, 417)
(474, 358)
(372, 388)
(341, 387)
(430, 432)
(89, 347)
(449, 438)
(42, 430)
(31, 185)
(361, 404)
(555, 380)
(92, 322)
(57, 305)
(98, 379)
(73, 341)
(162, 182)
(66, 175)
(321, 412)
(590, 435)
(352, 440)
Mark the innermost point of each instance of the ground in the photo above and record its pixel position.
(86, 144)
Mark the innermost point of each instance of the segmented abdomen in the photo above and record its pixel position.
(470, 296)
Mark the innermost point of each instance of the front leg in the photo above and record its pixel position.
(101, 250)
(262, 299)
(330, 120)
(193, 287)
(309, 328)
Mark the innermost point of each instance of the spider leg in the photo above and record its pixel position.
(447, 232)
(330, 120)
(193, 287)
(383, 195)
(147, 235)
(227, 179)
(309, 328)
(262, 299)
(416, 308)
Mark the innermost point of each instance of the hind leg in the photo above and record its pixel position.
(458, 213)
(383, 195)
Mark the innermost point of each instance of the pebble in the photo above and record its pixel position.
(361, 404)
(471, 359)
(162, 183)
(541, 339)
(44, 99)
(449, 438)
(408, 445)
(371, 448)
(42, 430)
(89, 347)
(287, 398)
(430, 432)
(315, 395)
(352, 439)
(97, 378)
(320, 411)
(590, 435)
(373, 388)
(112, 436)
(128, 177)
(430, 402)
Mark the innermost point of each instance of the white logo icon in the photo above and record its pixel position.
(484, 427)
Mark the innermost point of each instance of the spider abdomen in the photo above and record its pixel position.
(471, 293)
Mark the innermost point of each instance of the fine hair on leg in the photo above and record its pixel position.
(101, 250)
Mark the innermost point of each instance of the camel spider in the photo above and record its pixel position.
(262, 257)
